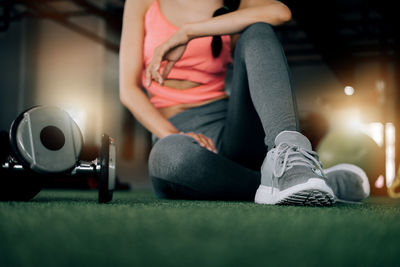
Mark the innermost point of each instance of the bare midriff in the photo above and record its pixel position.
(182, 85)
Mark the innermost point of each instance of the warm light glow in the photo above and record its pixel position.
(380, 85)
(351, 119)
(348, 90)
(375, 131)
(79, 117)
(390, 153)
(380, 182)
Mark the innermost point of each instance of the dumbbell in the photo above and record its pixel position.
(46, 141)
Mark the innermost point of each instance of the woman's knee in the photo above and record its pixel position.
(254, 36)
(258, 28)
(172, 157)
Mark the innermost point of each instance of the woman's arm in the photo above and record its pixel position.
(249, 12)
(131, 66)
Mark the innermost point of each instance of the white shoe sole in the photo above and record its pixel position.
(315, 192)
(358, 171)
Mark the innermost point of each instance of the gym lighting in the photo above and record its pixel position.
(390, 152)
(382, 134)
(380, 182)
(350, 118)
(375, 131)
(348, 90)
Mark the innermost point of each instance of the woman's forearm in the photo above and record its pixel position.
(238, 20)
(272, 12)
(139, 105)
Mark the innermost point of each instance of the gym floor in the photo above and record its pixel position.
(69, 228)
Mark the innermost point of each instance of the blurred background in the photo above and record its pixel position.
(344, 57)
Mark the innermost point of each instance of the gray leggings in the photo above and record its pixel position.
(243, 127)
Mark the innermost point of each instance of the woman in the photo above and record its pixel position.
(208, 145)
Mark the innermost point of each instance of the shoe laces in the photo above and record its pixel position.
(288, 155)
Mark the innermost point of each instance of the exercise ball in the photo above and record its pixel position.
(355, 147)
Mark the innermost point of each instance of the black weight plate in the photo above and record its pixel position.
(105, 195)
(19, 185)
(5, 148)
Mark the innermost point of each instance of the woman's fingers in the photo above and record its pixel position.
(167, 69)
(195, 137)
(203, 141)
(210, 145)
(150, 73)
(155, 73)
(148, 77)
(153, 69)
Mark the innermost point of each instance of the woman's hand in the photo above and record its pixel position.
(170, 51)
(204, 141)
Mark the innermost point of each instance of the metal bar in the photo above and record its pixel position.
(86, 168)
(16, 167)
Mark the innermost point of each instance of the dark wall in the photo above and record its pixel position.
(15, 75)
(10, 66)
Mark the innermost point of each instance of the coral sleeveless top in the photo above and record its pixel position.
(197, 64)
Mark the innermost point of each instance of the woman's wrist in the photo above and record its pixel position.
(169, 132)
(187, 31)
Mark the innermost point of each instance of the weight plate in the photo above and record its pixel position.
(107, 169)
(46, 139)
(13, 140)
(21, 185)
(112, 178)
(5, 149)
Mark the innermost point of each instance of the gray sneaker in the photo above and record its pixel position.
(349, 183)
(291, 174)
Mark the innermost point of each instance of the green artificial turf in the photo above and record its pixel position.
(68, 228)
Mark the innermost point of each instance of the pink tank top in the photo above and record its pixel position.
(197, 64)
